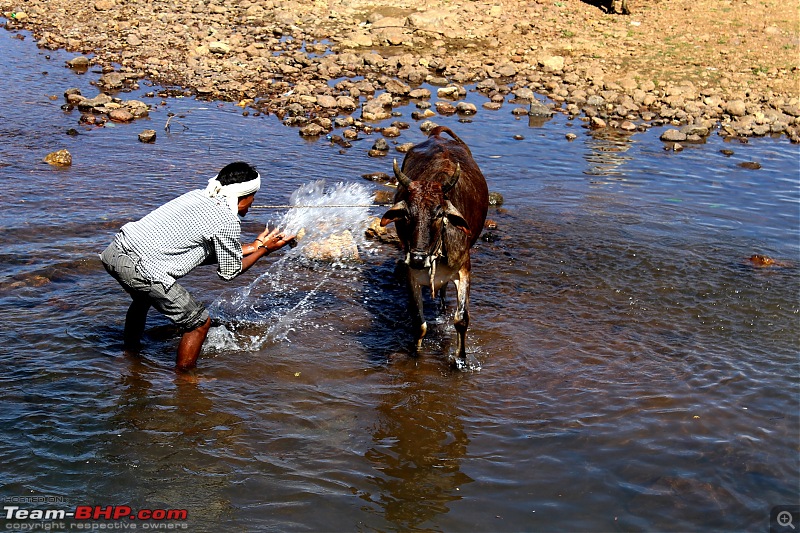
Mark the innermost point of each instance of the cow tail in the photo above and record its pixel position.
(444, 129)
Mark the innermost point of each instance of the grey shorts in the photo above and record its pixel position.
(175, 303)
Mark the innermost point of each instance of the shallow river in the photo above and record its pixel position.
(636, 374)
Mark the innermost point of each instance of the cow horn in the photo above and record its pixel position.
(452, 180)
(404, 180)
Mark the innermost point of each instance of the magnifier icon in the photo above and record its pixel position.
(785, 519)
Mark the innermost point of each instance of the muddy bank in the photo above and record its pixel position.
(309, 63)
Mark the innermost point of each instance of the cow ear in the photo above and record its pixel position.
(396, 212)
(455, 218)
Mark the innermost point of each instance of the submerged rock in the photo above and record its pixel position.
(60, 158)
(337, 247)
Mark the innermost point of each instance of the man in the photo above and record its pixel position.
(199, 228)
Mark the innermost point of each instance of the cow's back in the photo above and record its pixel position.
(436, 159)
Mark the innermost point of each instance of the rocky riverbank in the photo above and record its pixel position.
(700, 66)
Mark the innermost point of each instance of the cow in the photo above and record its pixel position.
(439, 210)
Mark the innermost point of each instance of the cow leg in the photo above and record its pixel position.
(416, 310)
(461, 317)
(442, 302)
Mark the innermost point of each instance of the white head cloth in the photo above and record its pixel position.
(234, 191)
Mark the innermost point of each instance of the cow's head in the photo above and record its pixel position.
(421, 217)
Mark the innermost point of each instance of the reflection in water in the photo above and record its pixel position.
(168, 432)
(607, 152)
(417, 448)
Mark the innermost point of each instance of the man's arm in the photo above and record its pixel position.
(266, 243)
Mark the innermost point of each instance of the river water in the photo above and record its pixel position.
(636, 373)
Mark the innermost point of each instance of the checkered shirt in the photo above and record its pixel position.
(189, 231)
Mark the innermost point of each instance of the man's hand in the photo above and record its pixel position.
(273, 240)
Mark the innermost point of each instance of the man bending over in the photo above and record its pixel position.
(200, 227)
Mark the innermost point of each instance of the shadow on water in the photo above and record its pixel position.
(417, 446)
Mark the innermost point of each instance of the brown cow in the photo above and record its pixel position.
(439, 211)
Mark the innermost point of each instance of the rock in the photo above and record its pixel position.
(597, 123)
(380, 144)
(736, 108)
(403, 148)
(695, 129)
(147, 136)
(673, 135)
(337, 247)
(80, 62)
(137, 108)
(311, 130)
(112, 80)
(391, 132)
(377, 177)
(427, 126)
(345, 103)
(571, 136)
(60, 158)
(447, 92)
(385, 234)
(358, 39)
(120, 115)
(552, 63)
(496, 199)
(627, 125)
(326, 101)
(376, 109)
(397, 87)
(445, 108)
(219, 47)
(418, 115)
(384, 197)
(419, 94)
(538, 109)
(432, 20)
(750, 165)
(103, 5)
(75, 99)
(466, 108)
(523, 93)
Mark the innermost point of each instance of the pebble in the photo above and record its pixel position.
(59, 158)
(147, 136)
(750, 165)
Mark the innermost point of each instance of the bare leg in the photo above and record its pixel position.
(190, 345)
(134, 324)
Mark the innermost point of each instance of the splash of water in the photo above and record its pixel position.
(276, 303)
